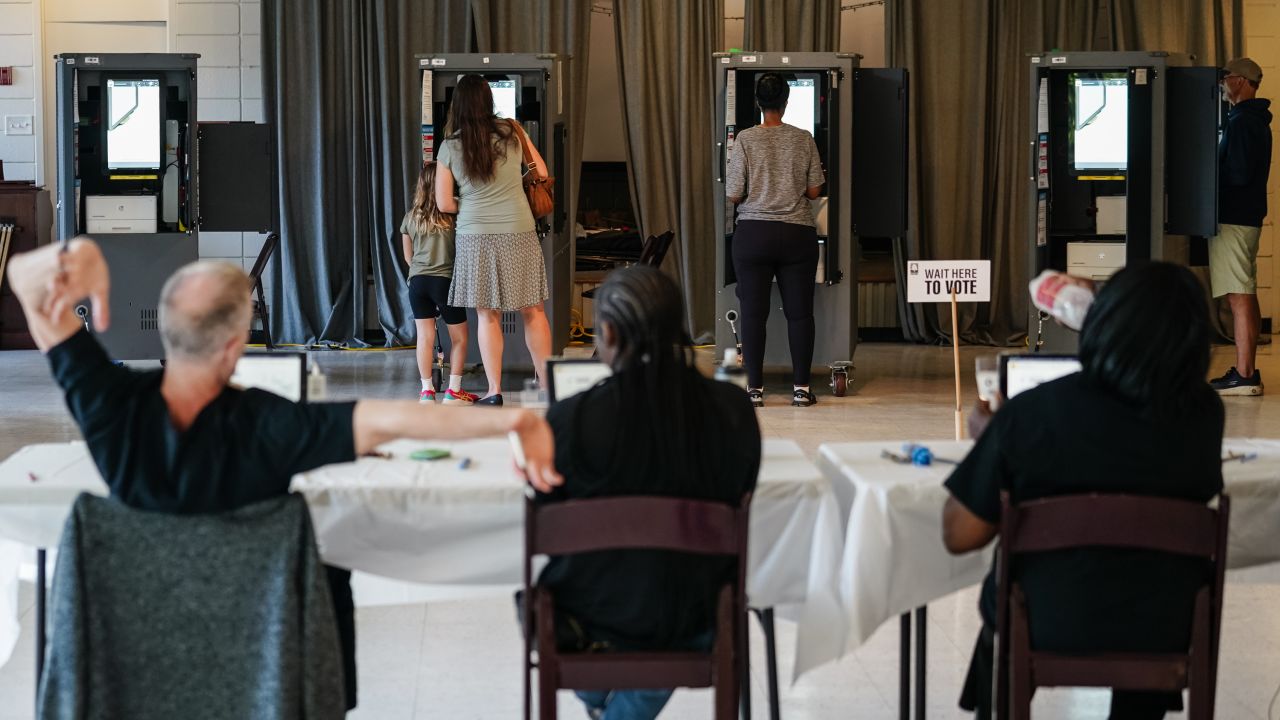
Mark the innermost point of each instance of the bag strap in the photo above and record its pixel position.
(525, 153)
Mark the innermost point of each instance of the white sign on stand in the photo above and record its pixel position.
(953, 281)
(934, 280)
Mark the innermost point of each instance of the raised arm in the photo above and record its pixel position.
(49, 283)
(379, 421)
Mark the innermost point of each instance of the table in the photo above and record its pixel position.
(439, 524)
(894, 560)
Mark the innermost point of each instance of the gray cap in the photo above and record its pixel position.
(1245, 68)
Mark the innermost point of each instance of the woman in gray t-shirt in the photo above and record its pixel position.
(498, 264)
(774, 171)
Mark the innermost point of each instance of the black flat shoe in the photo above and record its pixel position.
(495, 400)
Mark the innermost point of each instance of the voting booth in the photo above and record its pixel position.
(527, 88)
(858, 119)
(1124, 161)
(127, 169)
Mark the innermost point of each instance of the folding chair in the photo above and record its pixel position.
(655, 249)
(639, 522)
(260, 302)
(1177, 527)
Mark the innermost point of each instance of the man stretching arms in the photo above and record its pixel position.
(180, 440)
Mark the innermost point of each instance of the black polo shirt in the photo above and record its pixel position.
(243, 447)
(1069, 437)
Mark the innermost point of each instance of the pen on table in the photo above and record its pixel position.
(1242, 457)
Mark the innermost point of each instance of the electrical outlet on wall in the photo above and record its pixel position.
(18, 125)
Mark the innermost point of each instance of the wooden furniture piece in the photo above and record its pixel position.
(1177, 527)
(615, 523)
(25, 207)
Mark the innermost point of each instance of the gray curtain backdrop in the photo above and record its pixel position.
(664, 69)
(969, 114)
(562, 27)
(791, 25)
(342, 90)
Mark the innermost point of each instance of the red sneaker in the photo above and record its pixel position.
(458, 397)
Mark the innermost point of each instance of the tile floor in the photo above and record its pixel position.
(460, 659)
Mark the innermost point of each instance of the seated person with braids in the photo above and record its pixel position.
(656, 427)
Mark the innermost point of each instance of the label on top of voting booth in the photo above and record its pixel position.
(934, 280)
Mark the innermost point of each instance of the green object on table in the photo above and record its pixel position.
(429, 454)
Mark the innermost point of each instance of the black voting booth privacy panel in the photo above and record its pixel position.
(237, 174)
(858, 118)
(529, 87)
(1123, 161)
(127, 174)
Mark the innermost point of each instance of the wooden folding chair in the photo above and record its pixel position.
(655, 248)
(638, 522)
(1177, 527)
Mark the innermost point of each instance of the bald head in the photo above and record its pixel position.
(202, 307)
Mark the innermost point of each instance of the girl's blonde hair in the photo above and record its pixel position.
(425, 211)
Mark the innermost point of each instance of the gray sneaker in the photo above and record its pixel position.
(1233, 383)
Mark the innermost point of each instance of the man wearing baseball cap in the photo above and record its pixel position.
(1244, 161)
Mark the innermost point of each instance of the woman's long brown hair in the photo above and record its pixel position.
(425, 211)
(473, 122)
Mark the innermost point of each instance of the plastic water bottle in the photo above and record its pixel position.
(1053, 292)
(317, 384)
(731, 371)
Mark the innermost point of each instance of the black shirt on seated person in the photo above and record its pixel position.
(646, 599)
(1068, 437)
(243, 447)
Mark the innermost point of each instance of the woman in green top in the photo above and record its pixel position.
(428, 248)
(499, 264)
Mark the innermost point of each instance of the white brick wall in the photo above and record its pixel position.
(17, 50)
(226, 35)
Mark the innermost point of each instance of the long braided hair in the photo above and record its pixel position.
(667, 409)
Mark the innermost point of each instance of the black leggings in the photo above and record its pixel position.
(763, 250)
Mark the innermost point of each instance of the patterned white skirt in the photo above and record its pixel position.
(502, 272)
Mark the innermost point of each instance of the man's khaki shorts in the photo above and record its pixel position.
(1233, 260)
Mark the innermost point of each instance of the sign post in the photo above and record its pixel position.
(933, 281)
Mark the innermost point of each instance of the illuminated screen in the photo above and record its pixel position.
(504, 98)
(1101, 122)
(802, 103)
(133, 124)
(283, 374)
(570, 377)
(1021, 373)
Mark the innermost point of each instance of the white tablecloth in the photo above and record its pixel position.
(435, 523)
(894, 559)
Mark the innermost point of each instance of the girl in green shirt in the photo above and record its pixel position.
(427, 234)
